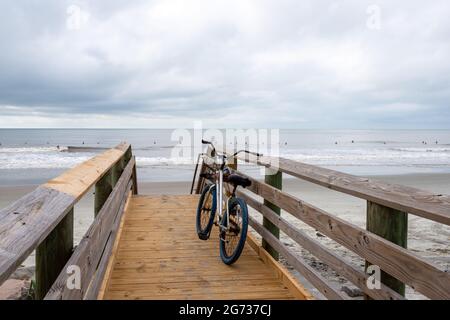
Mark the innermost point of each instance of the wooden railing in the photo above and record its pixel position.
(382, 243)
(43, 221)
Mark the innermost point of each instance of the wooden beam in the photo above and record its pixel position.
(421, 275)
(308, 272)
(90, 251)
(103, 188)
(98, 277)
(28, 221)
(343, 268)
(274, 179)
(298, 290)
(78, 180)
(113, 256)
(391, 225)
(52, 254)
(433, 206)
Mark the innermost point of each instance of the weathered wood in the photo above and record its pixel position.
(52, 254)
(391, 225)
(282, 273)
(275, 180)
(134, 186)
(88, 253)
(27, 222)
(147, 268)
(103, 189)
(342, 267)
(97, 279)
(116, 171)
(308, 272)
(78, 180)
(421, 275)
(113, 255)
(406, 199)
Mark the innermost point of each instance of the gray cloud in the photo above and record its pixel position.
(288, 63)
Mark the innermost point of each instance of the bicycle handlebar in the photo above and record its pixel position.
(235, 154)
(249, 152)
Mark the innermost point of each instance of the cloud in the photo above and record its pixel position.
(288, 63)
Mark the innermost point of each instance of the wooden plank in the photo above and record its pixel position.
(407, 199)
(26, 223)
(88, 253)
(52, 254)
(114, 251)
(391, 225)
(308, 272)
(421, 275)
(275, 179)
(338, 264)
(97, 279)
(103, 188)
(282, 273)
(80, 179)
(186, 267)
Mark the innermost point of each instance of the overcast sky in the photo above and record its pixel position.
(283, 63)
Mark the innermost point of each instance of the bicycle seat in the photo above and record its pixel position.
(237, 180)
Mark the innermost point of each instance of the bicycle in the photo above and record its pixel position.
(232, 217)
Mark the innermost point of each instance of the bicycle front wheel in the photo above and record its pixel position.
(232, 240)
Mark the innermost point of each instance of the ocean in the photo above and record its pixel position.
(32, 156)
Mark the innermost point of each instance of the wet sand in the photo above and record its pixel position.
(425, 238)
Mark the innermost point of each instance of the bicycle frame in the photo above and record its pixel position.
(219, 196)
(219, 185)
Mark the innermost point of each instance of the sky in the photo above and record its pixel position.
(267, 64)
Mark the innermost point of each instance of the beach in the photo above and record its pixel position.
(425, 238)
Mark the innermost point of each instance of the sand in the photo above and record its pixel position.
(426, 239)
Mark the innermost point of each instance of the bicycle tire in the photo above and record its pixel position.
(234, 256)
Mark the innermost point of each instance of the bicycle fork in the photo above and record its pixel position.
(219, 196)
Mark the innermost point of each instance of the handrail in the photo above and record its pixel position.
(96, 244)
(415, 201)
(38, 220)
(399, 262)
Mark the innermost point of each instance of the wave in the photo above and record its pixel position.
(52, 157)
(31, 149)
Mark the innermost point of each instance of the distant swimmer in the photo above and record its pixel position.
(57, 147)
(83, 142)
(437, 142)
(285, 143)
(384, 142)
(353, 141)
(154, 142)
(336, 142)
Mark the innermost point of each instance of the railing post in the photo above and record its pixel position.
(103, 188)
(391, 225)
(275, 180)
(52, 254)
(126, 158)
(105, 185)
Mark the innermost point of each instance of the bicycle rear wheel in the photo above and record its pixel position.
(206, 211)
(232, 241)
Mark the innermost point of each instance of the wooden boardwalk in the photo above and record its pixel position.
(158, 255)
(146, 247)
